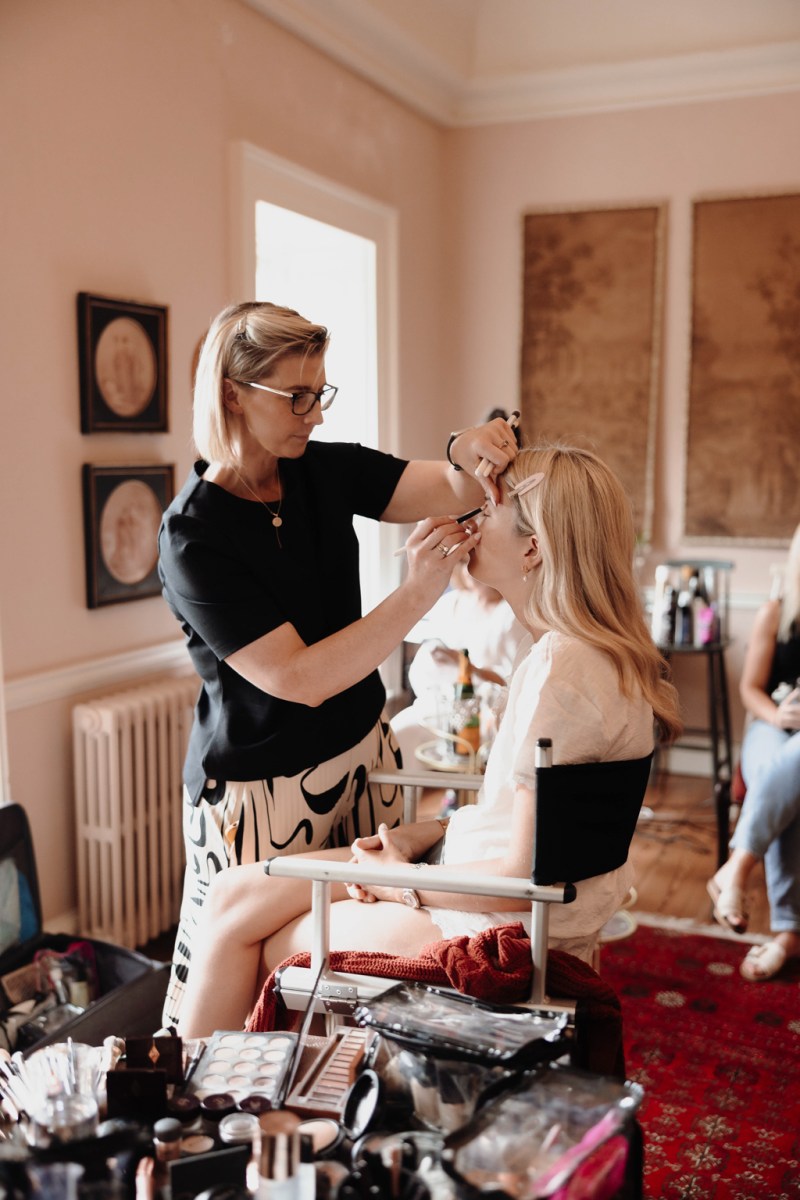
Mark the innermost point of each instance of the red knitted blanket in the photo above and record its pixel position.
(493, 966)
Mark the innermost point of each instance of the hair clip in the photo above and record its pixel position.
(527, 484)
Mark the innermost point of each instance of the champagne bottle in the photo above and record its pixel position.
(467, 723)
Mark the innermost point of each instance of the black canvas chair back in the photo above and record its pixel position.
(585, 817)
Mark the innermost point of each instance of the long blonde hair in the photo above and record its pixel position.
(790, 602)
(244, 342)
(582, 519)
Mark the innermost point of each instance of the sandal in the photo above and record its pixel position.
(763, 962)
(729, 905)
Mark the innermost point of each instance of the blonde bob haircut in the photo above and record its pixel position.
(244, 342)
(582, 519)
(790, 603)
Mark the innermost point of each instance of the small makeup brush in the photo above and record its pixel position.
(473, 512)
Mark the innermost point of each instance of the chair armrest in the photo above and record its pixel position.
(458, 781)
(424, 877)
(323, 872)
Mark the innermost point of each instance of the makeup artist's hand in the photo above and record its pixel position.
(485, 451)
(432, 548)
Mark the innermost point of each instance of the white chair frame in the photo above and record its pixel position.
(339, 993)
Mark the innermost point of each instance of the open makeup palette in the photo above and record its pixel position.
(245, 1064)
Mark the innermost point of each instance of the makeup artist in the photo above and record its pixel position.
(258, 560)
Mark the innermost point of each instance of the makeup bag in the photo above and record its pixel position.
(55, 985)
(447, 1051)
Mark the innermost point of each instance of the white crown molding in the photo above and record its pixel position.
(365, 42)
(67, 682)
(680, 79)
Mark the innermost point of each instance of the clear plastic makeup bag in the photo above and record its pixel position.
(445, 1052)
(556, 1132)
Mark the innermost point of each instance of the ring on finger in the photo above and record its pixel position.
(444, 550)
(503, 444)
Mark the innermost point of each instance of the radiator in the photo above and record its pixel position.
(128, 759)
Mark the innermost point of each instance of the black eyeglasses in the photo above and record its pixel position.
(302, 402)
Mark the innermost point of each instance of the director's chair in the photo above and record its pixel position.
(586, 814)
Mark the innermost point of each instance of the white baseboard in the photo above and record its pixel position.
(681, 761)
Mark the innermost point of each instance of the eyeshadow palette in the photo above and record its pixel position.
(244, 1064)
(322, 1091)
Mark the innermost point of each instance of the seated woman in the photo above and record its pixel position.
(559, 547)
(769, 827)
(469, 616)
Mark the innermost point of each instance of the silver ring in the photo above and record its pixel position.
(443, 549)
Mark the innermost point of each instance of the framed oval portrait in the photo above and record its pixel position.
(122, 509)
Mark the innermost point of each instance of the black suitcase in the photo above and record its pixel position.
(130, 986)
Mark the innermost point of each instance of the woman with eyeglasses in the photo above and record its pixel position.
(258, 560)
(559, 546)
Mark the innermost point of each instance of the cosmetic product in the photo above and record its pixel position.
(659, 596)
(185, 1108)
(212, 1110)
(167, 1149)
(279, 1156)
(197, 1143)
(244, 1064)
(239, 1127)
(137, 1095)
(225, 1167)
(322, 1091)
(306, 1174)
(149, 1054)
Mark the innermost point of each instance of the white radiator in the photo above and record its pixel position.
(129, 750)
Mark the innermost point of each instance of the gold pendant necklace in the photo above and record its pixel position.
(277, 520)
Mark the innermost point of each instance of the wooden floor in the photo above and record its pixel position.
(674, 859)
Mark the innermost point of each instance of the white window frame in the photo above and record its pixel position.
(255, 175)
(258, 175)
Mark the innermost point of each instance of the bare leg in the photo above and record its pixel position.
(736, 871)
(381, 927)
(243, 907)
(728, 890)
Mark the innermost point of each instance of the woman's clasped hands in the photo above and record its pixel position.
(387, 847)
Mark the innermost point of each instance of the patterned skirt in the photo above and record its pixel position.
(327, 805)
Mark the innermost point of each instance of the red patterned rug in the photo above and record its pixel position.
(719, 1059)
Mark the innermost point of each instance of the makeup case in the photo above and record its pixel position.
(123, 990)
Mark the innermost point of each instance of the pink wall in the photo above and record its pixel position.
(650, 155)
(115, 123)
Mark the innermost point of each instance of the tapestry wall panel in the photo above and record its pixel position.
(591, 329)
(742, 477)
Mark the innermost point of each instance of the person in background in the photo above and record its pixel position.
(768, 829)
(469, 616)
(559, 546)
(258, 560)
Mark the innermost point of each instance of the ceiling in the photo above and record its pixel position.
(471, 62)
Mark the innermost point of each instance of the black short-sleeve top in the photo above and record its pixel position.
(229, 582)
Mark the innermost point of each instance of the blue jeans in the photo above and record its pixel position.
(769, 826)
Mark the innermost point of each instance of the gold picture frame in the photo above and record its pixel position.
(743, 421)
(591, 337)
